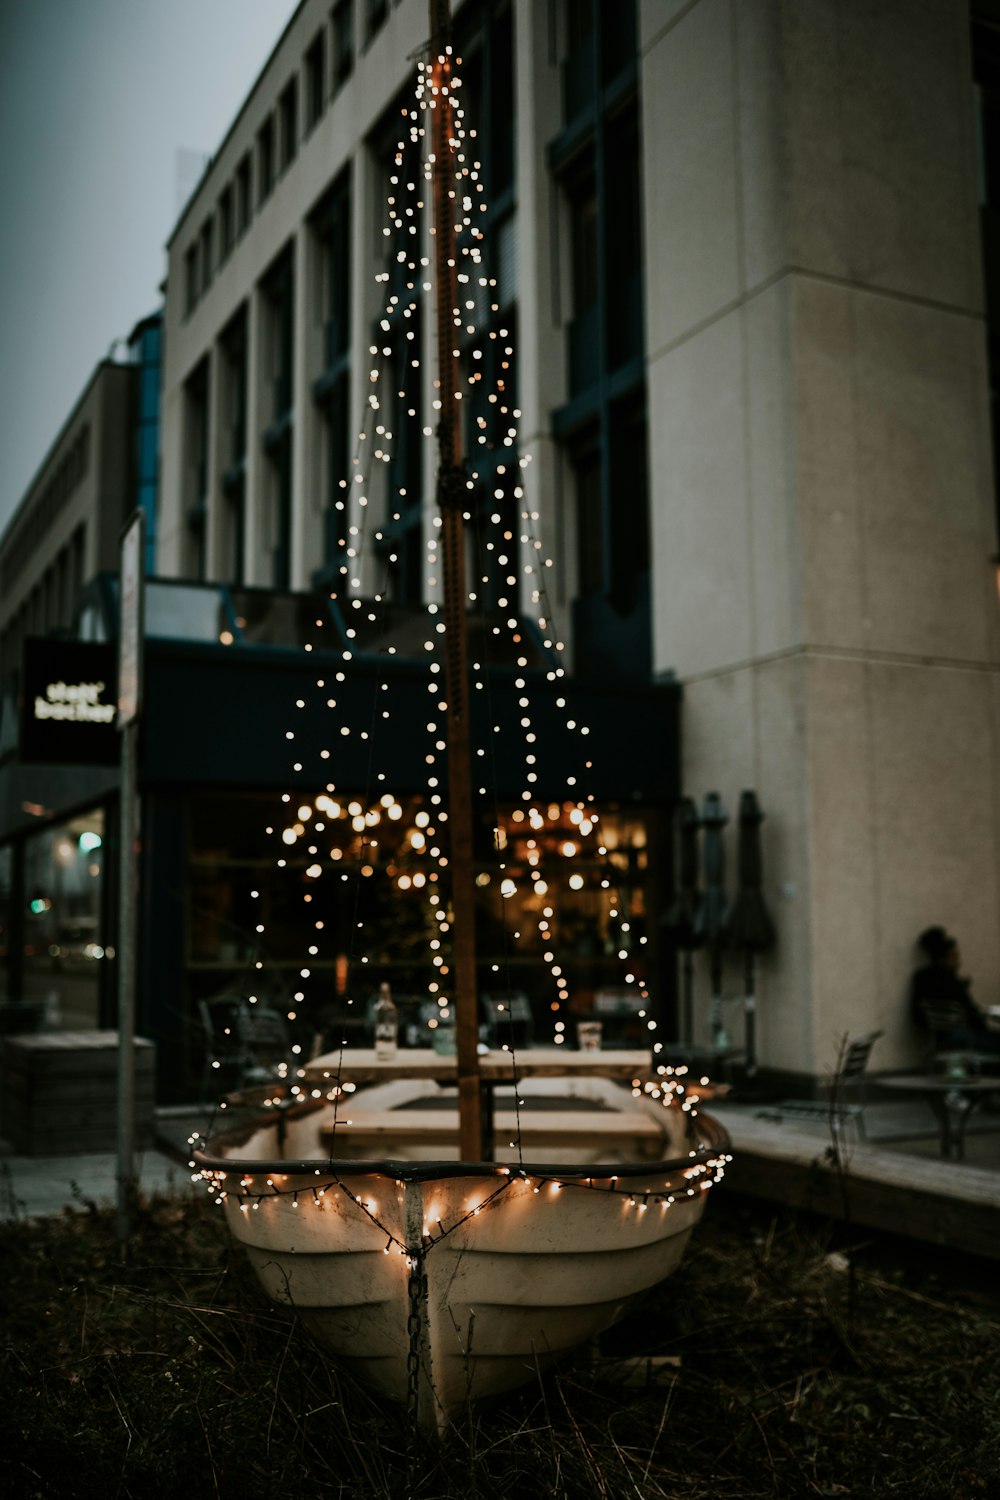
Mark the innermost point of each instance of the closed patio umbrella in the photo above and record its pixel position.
(710, 920)
(748, 924)
(680, 917)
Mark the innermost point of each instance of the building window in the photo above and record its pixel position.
(77, 560)
(579, 63)
(288, 114)
(190, 278)
(207, 254)
(278, 483)
(233, 398)
(583, 233)
(488, 92)
(225, 223)
(63, 613)
(609, 468)
(265, 159)
(400, 388)
(343, 42)
(585, 360)
(233, 348)
(64, 925)
(608, 462)
(488, 80)
(146, 347)
(601, 44)
(278, 329)
(603, 428)
(331, 224)
(623, 245)
(602, 187)
(195, 474)
(629, 550)
(586, 461)
(244, 178)
(277, 290)
(376, 12)
(315, 59)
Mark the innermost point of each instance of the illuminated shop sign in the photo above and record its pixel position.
(68, 703)
(76, 702)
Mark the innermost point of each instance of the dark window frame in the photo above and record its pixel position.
(342, 25)
(288, 124)
(314, 65)
(227, 236)
(331, 224)
(265, 160)
(244, 194)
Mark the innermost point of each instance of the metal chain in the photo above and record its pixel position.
(415, 1291)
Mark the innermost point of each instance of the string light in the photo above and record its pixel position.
(417, 863)
(704, 1168)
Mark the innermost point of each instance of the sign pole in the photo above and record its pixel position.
(130, 644)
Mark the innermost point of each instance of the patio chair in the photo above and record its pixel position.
(851, 1076)
(507, 1020)
(943, 1021)
(244, 1044)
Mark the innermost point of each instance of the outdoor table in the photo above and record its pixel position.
(952, 1099)
(360, 1065)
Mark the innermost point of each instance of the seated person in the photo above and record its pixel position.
(939, 982)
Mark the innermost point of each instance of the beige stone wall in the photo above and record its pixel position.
(821, 487)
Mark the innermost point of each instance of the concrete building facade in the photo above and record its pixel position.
(822, 495)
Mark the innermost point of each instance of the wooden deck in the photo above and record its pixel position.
(900, 1186)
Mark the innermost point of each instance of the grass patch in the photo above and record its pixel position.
(168, 1373)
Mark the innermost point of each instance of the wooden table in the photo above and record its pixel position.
(952, 1099)
(360, 1065)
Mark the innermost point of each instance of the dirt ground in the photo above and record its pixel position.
(784, 1359)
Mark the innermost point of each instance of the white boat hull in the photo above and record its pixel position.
(439, 1283)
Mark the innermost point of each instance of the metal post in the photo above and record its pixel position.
(127, 835)
(450, 499)
(130, 641)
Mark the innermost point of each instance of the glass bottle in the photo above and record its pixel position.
(386, 1024)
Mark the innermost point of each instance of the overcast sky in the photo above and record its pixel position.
(106, 107)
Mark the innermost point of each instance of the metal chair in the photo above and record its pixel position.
(948, 1034)
(245, 1044)
(943, 1020)
(835, 1109)
(507, 1019)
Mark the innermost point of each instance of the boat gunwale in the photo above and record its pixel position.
(420, 1171)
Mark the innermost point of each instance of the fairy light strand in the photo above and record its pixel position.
(516, 550)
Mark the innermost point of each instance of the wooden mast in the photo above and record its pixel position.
(450, 500)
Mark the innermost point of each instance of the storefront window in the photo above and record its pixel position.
(308, 904)
(64, 942)
(6, 896)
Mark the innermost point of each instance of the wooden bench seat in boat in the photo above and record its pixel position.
(434, 1126)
